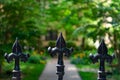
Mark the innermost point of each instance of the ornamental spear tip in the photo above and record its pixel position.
(60, 43)
(16, 47)
(102, 49)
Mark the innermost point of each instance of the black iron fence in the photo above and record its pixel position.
(60, 49)
(16, 55)
(102, 56)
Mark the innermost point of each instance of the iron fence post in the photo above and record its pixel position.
(101, 57)
(61, 50)
(16, 55)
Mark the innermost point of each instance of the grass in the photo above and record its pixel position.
(81, 66)
(88, 75)
(29, 71)
(32, 71)
(85, 73)
(93, 76)
(117, 77)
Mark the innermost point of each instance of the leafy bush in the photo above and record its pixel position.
(32, 71)
(34, 59)
(71, 44)
(80, 59)
(52, 43)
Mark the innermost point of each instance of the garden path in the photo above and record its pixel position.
(49, 72)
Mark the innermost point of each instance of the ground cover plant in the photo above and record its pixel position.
(30, 70)
(83, 22)
(87, 70)
(88, 75)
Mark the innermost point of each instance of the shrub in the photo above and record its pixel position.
(34, 59)
(52, 43)
(80, 58)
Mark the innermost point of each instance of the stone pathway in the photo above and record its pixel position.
(49, 72)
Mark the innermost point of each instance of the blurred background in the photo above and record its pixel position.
(37, 24)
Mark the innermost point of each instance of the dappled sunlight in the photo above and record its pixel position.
(74, 76)
(71, 69)
(37, 23)
(88, 70)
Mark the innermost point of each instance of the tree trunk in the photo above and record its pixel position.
(83, 43)
(116, 49)
(0, 68)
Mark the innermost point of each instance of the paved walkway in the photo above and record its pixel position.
(49, 72)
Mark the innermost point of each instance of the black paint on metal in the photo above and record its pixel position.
(60, 50)
(101, 57)
(16, 55)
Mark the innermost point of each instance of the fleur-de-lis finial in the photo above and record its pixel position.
(60, 49)
(16, 55)
(102, 56)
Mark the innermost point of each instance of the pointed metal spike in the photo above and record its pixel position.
(60, 33)
(60, 43)
(102, 49)
(16, 47)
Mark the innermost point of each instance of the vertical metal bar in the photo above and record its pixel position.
(60, 66)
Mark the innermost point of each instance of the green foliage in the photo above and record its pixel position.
(71, 44)
(81, 57)
(29, 70)
(98, 19)
(19, 18)
(34, 59)
(77, 61)
(32, 71)
(88, 75)
(86, 17)
(30, 19)
(52, 43)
